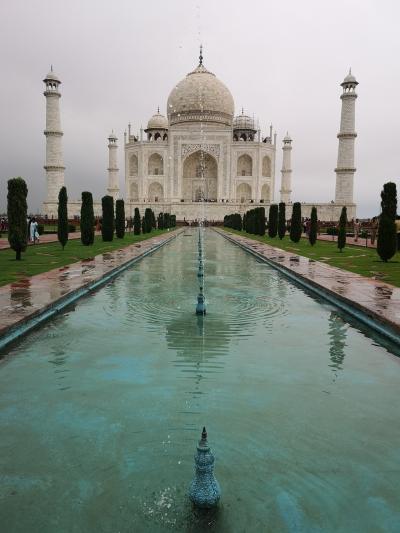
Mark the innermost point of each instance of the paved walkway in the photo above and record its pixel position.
(377, 299)
(31, 297)
(364, 243)
(44, 239)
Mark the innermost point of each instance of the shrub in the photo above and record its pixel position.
(342, 229)
(160, 221)
(233, 221)
(137, 223)
(87, 219)
(331, 230)
(387, 237)
(295, 224)
(282, 220)
(71, 228)
(389, 200)
(107, 227)
(312, 236)
(16, 214)
(273, 221)
(62, 226)
(120, 219)
(148, 217)
(40, 229)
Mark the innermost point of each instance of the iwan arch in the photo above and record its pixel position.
(202, 153)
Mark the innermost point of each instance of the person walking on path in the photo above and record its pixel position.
(374, 229)
(34, 231)
(356, 228)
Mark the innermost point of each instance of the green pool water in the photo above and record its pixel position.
(101, 409)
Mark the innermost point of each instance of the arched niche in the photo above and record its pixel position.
(134, 192)
(265, 193)
(133, 165)
(243, 193)
(244, 165)
(155, 165)
(200, 177)
(156, 192)
(266, 166)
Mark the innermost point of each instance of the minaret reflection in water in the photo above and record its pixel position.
(337, 342)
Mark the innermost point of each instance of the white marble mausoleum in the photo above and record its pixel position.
(200, 159)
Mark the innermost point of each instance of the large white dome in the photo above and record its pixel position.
(200, 97)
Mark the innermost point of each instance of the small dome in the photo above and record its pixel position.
(287, 138)
(350, 79)
(113, 136)
(243, 122)
(157, 122)
(51, 76)
(201, 96)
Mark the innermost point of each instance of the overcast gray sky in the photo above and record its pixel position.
(282, 61)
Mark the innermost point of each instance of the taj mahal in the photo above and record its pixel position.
(200, 157)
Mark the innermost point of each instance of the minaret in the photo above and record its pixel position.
(286, 181)
(113, 185)
(54, 153)
(345, 162)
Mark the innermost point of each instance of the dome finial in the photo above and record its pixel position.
(201, 56)
(242, 110)
(158, 109)
(350, 71)
(51, 68)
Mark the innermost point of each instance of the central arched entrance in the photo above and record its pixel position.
(200, 177)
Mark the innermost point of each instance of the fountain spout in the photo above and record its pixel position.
(204, 490)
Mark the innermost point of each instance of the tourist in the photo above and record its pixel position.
(34, 234)
(356, 229)
(374, 229)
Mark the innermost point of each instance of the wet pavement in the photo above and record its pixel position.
(377, 299)
(30, 297)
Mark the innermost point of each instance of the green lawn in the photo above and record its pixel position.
(364, 261)
(43, 257)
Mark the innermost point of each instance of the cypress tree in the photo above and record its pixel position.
(16, 214)
(62, 225)
(273, 221)
(312, 236)
(120, 219)
(137, 223)
(295, 224)
(166, 221)
(87, 219)
(387, 236)
(153, 219)
(261, 221)
(389, 200)
(144, 225)
(160, 221)
(282, 220)
(107, 227)
(341, 242)
(148, 219)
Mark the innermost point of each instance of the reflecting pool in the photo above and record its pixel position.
(101, 409)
